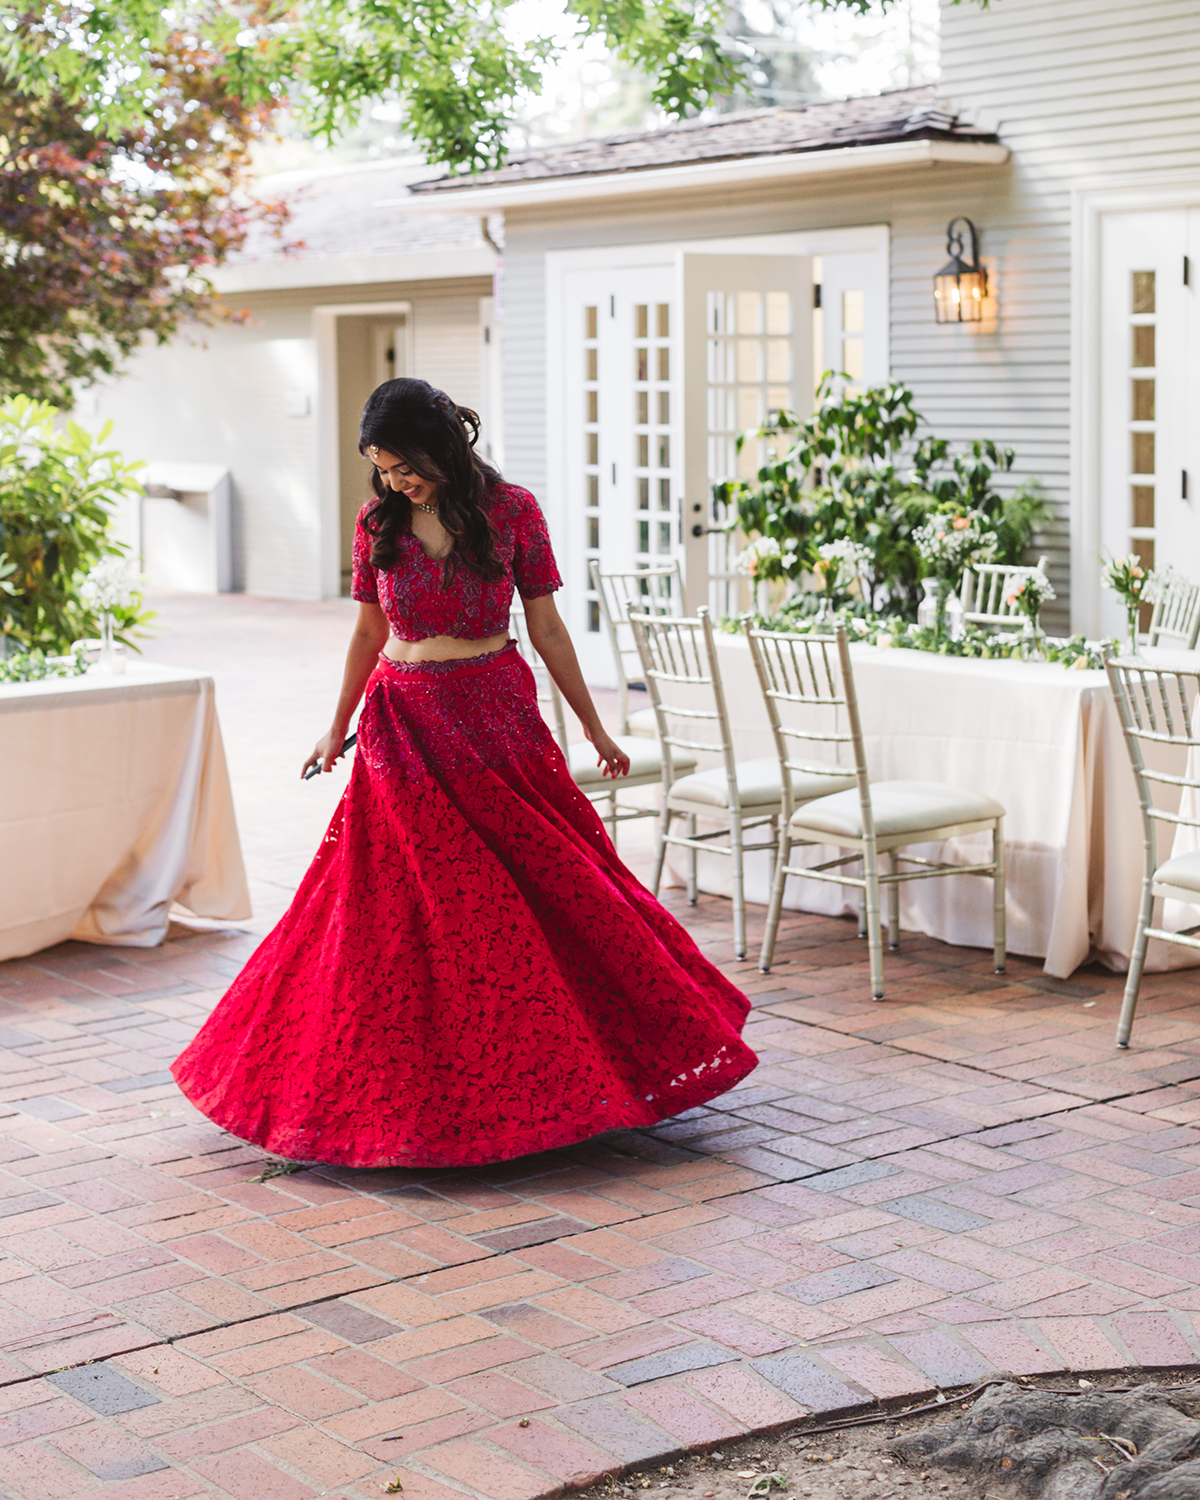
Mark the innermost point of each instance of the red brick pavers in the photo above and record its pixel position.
(904, 1197)
(963, 1180)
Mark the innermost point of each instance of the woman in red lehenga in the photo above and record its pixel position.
(468, 972)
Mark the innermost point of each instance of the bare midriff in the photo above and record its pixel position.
(441, 648)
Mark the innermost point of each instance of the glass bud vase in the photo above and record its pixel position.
(1031, 639)
(106, 662)
(825, 619)
(927, 610)
(1131, 629)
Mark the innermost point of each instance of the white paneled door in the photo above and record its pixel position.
(747, 352)
(662, 366)
(621, 437)
(1150, 393)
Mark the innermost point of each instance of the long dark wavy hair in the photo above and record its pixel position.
(436, 439)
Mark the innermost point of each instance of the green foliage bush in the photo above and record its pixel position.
(836, 475)
(59, 486)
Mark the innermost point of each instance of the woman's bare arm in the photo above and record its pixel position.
(552, 643)
(369, 638)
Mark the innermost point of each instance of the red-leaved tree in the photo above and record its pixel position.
(107, 236)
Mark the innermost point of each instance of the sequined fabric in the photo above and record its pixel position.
(413, 595)
(467, 973)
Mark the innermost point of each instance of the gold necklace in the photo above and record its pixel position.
(430, 510)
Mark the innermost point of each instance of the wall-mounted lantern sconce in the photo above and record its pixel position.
(961, 285)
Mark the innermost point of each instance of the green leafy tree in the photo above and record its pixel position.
(59, 486)
(453, 63)
(125, 129)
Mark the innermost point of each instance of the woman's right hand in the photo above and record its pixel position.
(328, 750)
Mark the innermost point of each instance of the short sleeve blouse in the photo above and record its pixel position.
(414, 597)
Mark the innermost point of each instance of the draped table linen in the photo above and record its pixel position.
(1043, 740)
(115, 804)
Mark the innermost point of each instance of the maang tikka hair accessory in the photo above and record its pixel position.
(374, 450)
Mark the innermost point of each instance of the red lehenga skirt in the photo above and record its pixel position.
(468, 973)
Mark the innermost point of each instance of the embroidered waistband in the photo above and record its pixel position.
(453, 667)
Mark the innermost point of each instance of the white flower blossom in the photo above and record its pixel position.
(111, 584)
(1031, 592)
(852, 558)
(762, 549)
(949, 543)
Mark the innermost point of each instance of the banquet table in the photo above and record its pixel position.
(115, 805)
(1044, 741)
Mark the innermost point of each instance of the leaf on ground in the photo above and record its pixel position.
(279, 1168)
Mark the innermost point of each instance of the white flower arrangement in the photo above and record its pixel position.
(841, 561)
(111, 584)
(762, 551)
(948, 544)
(1028, 594)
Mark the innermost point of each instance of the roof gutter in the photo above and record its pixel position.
(700, 176)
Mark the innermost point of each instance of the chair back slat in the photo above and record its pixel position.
(813, 673)
(1176, 613)
(985, 591)
(548, 697)
(1156, 706)
(651, 591)
(679, 665)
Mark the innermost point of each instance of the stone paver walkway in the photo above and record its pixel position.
(903, 1198)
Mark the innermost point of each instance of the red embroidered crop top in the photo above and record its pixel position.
(413, 597)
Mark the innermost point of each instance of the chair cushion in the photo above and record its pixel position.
(1183, 871)
(643, 723)
(758, 785)
(645, 759)
(899, 807)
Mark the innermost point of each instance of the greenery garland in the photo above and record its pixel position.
(32, 666)
(1075, 652)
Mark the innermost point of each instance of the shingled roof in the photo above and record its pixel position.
(333, 212)
(907, 115)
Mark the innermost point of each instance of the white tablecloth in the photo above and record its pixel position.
(114, 804)
(1044, 741)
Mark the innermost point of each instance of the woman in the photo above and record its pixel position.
(467, 973)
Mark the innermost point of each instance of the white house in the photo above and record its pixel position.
(266, 409)
(658, 296)
(659, 290)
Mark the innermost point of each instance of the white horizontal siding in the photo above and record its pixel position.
(1082, 92)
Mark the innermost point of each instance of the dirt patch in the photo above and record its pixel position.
(1085, 1440)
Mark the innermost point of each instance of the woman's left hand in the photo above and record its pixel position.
(611, 756)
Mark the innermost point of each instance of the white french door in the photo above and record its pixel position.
(747, 352)
(662, 365)
(621, 437)
(1150, 393)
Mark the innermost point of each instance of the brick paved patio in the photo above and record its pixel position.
(904, 1197)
